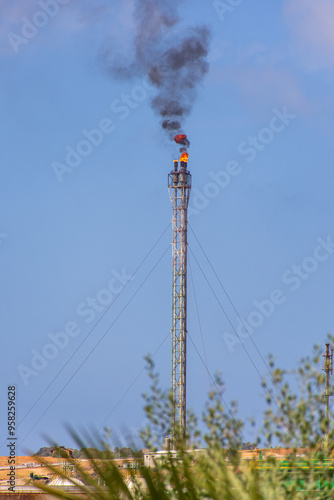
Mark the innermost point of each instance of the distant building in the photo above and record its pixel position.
(69, 484)
(153, 457)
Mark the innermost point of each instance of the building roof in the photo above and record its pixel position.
(64, 481)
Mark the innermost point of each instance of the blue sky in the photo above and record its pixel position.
(261, 157)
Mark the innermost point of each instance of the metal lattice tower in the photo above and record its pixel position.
(179, 186)
(328, 369)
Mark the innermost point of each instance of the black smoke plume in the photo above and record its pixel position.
(174, 61)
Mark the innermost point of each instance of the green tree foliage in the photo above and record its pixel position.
(294, 417)
(295, 414)
(249, 446)
(44, 452)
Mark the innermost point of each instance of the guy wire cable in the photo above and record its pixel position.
(235, 310)
(95, 346)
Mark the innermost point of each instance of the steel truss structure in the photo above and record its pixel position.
(179, 186)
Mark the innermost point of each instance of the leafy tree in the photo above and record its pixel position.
(44, 452)
(249, 446)
(294, 417)
(127, 452)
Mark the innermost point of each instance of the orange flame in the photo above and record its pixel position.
(184, 157)
(180, 139)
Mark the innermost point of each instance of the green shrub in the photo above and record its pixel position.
(294, 418)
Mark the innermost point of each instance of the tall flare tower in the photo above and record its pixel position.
(179, 186)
